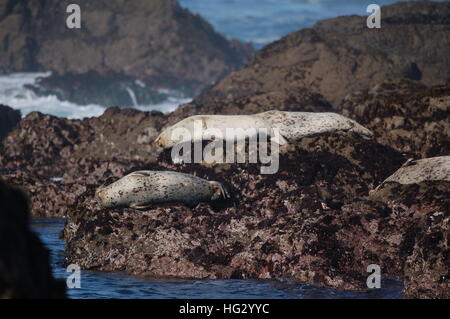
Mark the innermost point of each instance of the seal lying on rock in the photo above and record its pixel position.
(295, 125)
(291, 126)
(142, 189)
(194, 129)
(427, 169)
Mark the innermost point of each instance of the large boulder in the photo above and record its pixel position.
(25, 270)
(341, 55)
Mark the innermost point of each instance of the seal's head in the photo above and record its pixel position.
(101, 196)
(181, 132)
(163, 140)
(106, 194)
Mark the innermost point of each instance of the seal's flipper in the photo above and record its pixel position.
(140, 206)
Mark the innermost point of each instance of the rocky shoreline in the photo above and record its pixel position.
(321, 219)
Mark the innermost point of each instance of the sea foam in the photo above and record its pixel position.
(14, 94)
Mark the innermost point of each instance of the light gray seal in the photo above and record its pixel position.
(416, 171)
(293, 126)
(282, 127)
(143, 189)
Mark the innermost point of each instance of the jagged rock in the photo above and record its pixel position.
(405, 115)
(8, 119)
(25, 270)
(51, 146)
(341, 55)
(156, 41)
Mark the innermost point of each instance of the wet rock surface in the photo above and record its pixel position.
(294, 100)
(25, 270)
(341, 55)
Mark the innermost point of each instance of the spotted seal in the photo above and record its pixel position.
(295, 125)
(195, 128)
(143, 189)
(417, 171)
(283, 127)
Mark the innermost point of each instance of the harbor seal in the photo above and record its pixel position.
(201, 127)
(295, 125)
(282, 127)
(142, 189)
(416, 171)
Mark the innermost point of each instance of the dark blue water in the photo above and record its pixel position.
(116, 285)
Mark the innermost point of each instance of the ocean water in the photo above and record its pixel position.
(14, 93)
(117, 285)
(256, 21)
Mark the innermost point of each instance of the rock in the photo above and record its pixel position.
(118, 37)
(422, 188)
(25, 270)
(8, 119)
(298, 223)
(41, 143)
(405, 115)
(341, 55)
(427, 269)
(51, 146)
